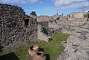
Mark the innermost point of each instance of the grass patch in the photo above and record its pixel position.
(22, 53)
(55, 46)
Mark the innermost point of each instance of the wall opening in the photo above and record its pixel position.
(26, 22)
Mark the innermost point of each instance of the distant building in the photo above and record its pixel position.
(77, 14)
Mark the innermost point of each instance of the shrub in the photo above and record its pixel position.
(55, 46)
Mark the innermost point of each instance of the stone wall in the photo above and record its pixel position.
(77, 14)
(62, 23)
(65, 23)
(15, 26)
(77, 45)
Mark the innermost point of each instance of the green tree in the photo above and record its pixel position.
(44, 30)
(33, 13)
(87, 14)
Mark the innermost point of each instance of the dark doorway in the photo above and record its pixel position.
(26, 21)
(10, 56)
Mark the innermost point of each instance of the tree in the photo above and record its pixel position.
(33, 13)
(44, 30)
(87, 14)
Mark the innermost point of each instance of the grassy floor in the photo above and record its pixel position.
(53, 47)
(22, 53)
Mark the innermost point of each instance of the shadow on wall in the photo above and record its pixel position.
(10, 56)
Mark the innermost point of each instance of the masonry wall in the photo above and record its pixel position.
(63, 23)
(12, 26)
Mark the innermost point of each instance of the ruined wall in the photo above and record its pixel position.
(62, 23)
(77, 14)
(13, 27)
(77, 45)
(31, 28)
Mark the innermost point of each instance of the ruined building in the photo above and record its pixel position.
(15, 26)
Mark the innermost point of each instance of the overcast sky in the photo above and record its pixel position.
(50, 7)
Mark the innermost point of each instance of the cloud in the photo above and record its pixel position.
(13, 2)
(33, 1)
(84, 8)
(68, 2)
(81, 5)
(18, 2)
